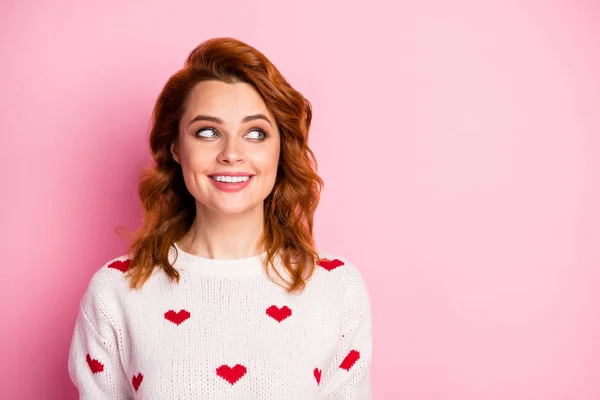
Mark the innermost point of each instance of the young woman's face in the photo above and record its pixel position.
(227, 129)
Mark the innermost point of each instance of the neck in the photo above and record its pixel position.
(224, 236)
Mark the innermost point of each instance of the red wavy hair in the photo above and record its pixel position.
(169, 208)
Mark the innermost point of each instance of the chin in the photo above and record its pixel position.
(234, 208)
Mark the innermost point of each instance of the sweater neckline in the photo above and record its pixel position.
(238, 267)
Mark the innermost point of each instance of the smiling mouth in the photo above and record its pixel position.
(230, 183)
(231, 179)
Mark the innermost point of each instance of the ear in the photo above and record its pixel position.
(175, 151)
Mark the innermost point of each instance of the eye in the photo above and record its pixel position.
(207, 133)
(257, 132)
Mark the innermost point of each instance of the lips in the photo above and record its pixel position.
(231, 187)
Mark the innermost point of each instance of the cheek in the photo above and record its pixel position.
(271, 159)
(263, 159)
(195, 161)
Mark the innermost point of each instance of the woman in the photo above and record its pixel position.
(223, 294)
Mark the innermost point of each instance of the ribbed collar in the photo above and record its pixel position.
(239, 267)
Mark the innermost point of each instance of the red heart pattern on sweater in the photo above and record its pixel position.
(279, 314)
(231, 375)
(330, 265)
(95, 365)
(177, 317)
(350, 359)
(235, 373)
(122, 266)
(317, 373)
(136, 381)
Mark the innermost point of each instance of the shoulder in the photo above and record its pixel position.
(106, 284)
(338, 265)
(111, 274)
(342, 270)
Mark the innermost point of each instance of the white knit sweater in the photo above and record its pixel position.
(226, 331)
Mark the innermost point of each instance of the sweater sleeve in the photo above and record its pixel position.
(348, 377)
(94, 364)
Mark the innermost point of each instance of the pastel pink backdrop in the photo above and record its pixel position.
(459, 142)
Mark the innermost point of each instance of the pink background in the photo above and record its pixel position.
(459, 143)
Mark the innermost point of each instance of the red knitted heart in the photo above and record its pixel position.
(317, 373)
(330, 265)
(137, 381)
(177, 317)
(231, 375)
(120, 265)
(350, 359)
(279, 314)
(95, 365)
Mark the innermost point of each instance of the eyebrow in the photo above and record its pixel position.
(220, 121)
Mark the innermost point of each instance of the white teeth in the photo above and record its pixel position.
(231, 179)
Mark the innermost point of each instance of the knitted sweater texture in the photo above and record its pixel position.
(226, 331)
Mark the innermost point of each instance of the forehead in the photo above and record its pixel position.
(228, 101)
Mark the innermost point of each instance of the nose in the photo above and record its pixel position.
(232, 152)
